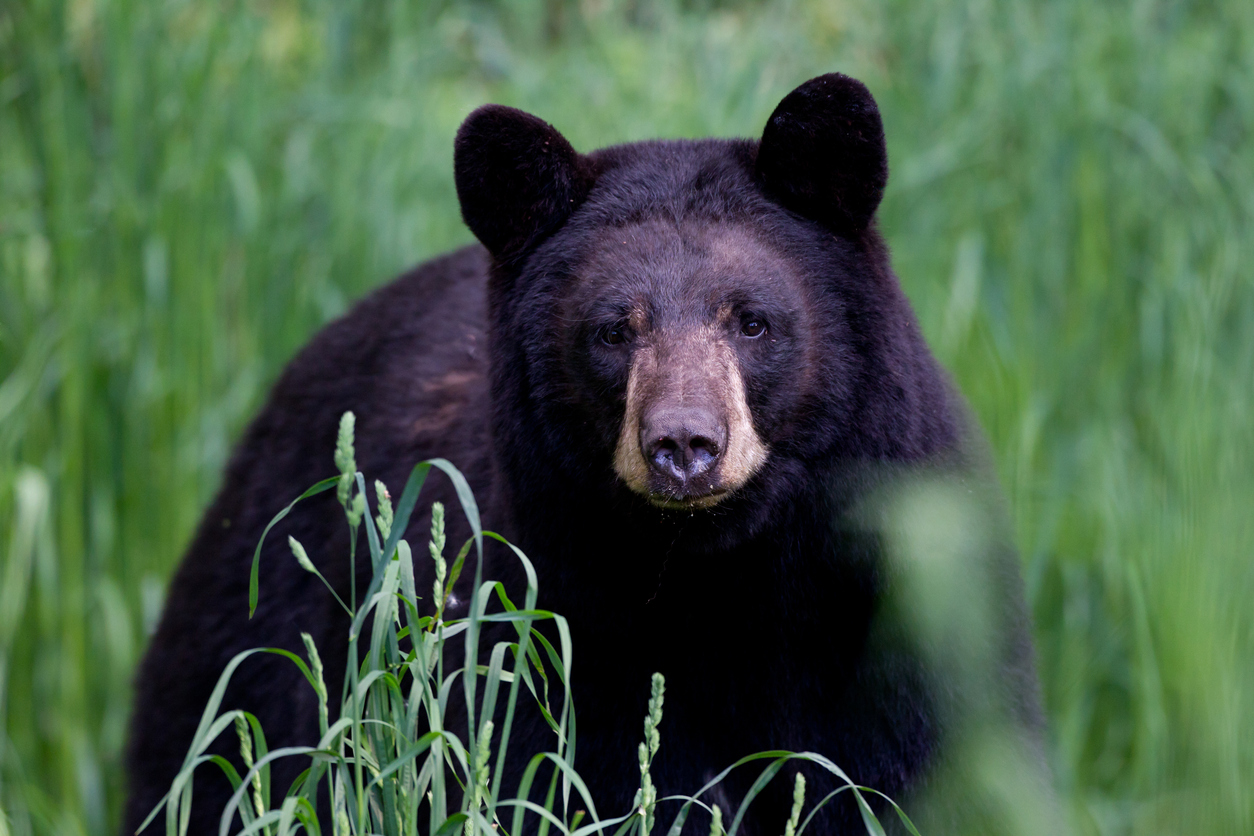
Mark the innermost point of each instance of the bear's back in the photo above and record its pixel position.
(410, 361)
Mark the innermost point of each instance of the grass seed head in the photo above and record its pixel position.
(346, 458)
(384, 518)
(302, 557)
(798, 800)
(716, 821)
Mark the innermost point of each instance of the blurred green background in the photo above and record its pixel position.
(189, 189)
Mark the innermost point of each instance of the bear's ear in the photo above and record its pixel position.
(518, 179)
(822, 153)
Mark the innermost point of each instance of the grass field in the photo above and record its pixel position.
(189, 189)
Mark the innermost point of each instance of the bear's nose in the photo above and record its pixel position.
(681, 444)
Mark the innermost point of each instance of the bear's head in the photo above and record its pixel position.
(696, 325)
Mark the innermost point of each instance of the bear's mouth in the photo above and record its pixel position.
(689, 502)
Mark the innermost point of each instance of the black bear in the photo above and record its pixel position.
(677, 375)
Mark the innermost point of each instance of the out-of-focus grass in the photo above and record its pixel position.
(187, 190)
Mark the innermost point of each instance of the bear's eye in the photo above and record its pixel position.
(615, 334)
(753, 327)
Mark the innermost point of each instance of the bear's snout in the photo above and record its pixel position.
(687, 438)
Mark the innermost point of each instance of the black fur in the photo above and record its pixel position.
(517, 178)
(823, 152)
(765, 612)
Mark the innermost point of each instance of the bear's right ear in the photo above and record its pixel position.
(822, 153)
(518, 179)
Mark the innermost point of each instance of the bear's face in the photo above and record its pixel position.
(651, 315)
(674, 331)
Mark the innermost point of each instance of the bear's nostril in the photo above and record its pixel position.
(666, 458)
(704, 444)
(701, 453)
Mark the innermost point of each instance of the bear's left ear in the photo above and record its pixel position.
(518, 179)
(822, 153)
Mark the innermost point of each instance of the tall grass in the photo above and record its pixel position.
(189, 189)
(390, 754)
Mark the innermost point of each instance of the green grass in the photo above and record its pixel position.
(388, 757)
(188, 190)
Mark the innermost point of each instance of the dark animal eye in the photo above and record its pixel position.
(753, 327)
(614, 335)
